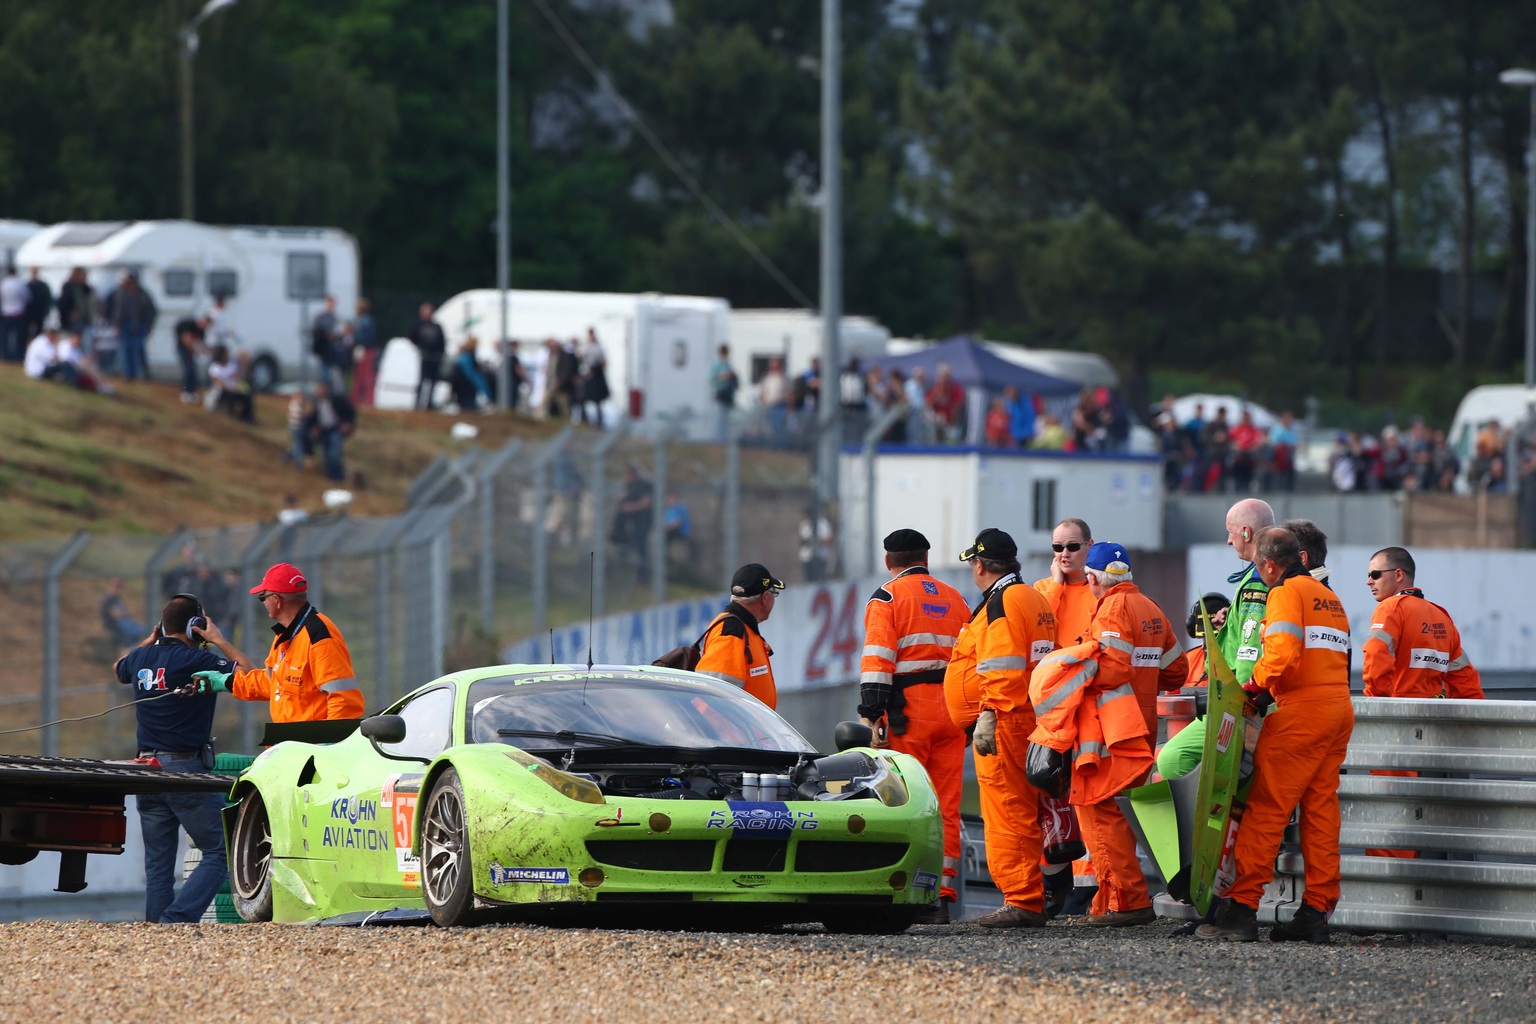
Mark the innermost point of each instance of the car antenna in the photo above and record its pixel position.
(551, 645)
(591, 585)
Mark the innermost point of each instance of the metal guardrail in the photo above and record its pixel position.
(1475, 873)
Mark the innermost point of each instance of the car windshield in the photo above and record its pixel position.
(560, 710)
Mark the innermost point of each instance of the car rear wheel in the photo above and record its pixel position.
(250, 860)
(447, 878)
(870, 921)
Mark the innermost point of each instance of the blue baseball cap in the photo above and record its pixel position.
(1106, 556)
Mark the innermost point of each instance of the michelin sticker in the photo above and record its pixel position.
(924, 881)
(537, 876)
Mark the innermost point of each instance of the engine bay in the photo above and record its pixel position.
(851, 775)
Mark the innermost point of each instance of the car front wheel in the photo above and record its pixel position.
(447, 878)
(250, 860)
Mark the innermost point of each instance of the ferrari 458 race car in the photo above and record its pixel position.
(521, 789)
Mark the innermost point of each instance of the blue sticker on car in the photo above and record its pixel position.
(924, 881)
(537, 876)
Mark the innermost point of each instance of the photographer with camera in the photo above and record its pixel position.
(176, 734)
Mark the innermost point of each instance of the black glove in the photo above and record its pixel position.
(1202, 700)
(1049, 771)
(1262, 701)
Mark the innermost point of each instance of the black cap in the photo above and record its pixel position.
(906, 540)
(753, 579)
(993, 544)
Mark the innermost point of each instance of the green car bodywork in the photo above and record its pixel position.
(319, 832)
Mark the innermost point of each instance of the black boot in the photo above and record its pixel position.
(1309, 925)
(1234, 922)
(1057, 888)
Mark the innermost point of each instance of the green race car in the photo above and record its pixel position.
(522, 789)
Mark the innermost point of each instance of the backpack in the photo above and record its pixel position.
(687, 656)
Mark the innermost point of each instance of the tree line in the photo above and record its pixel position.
(1176, 183)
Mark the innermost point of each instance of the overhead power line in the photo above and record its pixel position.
(638, 123)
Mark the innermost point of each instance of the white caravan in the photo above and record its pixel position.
(12, 234)
(1511, 406)
(658, 347)
(274, 278)
(794, 335)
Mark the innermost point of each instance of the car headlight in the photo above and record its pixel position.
(567, 785)
(890, 787)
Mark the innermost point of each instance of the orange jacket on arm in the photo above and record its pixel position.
(1076, 708)
(1414, 650)
(1139, 647)
(733, 650)
(308, 674)
(910, 626)
(1306, 642)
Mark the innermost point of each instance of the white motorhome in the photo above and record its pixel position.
(12, 234)
(1511, 406)
(794, 335)
(274, 279)
(658, 347)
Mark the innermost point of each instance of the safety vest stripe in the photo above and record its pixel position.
(1123, 690)
(724, 677)
(1006, 663)
(1171, 654)
(936, 639)
(903, 667)
(1461, 661)
(873, 651)
(1079, 680)
(875, 678)
(1091, 747)
(1386, 638)
(1289, 628)
(1118, 643)
(337, 685)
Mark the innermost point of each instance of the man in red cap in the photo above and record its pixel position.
(308, 674)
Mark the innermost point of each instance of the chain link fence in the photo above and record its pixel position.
(493, 547)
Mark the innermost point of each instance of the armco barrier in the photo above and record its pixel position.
(1476, 836)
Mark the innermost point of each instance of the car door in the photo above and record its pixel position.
(362, 823)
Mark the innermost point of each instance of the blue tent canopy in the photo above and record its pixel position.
(974, 367)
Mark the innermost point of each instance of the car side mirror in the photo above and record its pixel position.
(852, 734)
(383, 728)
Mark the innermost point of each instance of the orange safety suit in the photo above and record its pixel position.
(1195, 659)
(308, 675)
(1304, 663)
(732, 649)
(1414, 650)
(910, 626)
(1011, 629)
(1073, 605)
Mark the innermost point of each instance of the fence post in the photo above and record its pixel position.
(50, 701)
(872, 436)
(730, 543)
(599, 526)
(488, 472)
(384, 545)
(250, 558)
(541, 467)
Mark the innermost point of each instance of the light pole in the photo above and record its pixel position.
(829, 408)
(1525, 79)
(188, 37)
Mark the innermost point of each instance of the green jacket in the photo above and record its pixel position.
(1241, 637)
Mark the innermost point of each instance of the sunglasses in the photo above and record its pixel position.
(1376, 574)
(261, 598)
(1059, 548)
